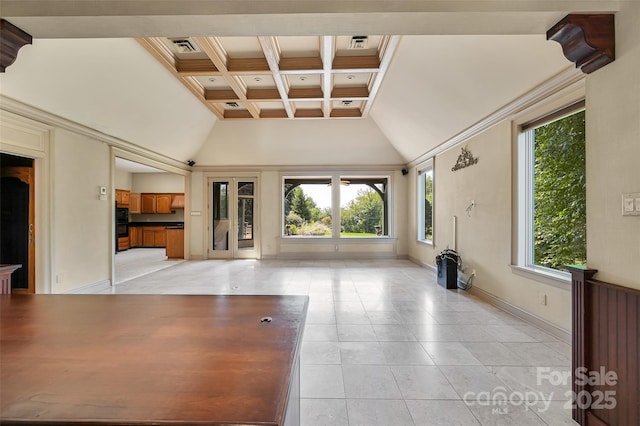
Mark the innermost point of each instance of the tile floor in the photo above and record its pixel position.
(385, 345)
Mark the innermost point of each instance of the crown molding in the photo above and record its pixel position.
(14, 106)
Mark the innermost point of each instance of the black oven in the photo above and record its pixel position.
(122, 215)
(122, 224)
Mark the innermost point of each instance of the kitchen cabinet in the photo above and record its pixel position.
(123, 243)
(135, 236)
(155, 203)
(153, 236)
(163, 203)
(134, 203)
(148, 203)
(177, 201)
(122, 198)
(175, 243)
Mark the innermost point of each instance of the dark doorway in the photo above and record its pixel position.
(17, 214)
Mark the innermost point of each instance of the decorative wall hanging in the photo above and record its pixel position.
(465, 159)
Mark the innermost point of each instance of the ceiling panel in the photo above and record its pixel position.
(288, 70)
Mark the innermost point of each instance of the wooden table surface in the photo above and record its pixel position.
(149, 359)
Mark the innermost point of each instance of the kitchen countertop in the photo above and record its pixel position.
(176, 224)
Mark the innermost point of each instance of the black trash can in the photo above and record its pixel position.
(447, 264)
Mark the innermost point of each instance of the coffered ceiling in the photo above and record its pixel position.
(294, 77)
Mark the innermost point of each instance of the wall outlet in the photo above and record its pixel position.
(542, 298)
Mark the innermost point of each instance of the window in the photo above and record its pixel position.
(361, 211)
(425, 204)
(552, 191)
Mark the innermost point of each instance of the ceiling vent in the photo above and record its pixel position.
(346, 103)
(184, 45)
(232, 104)
(359, 42)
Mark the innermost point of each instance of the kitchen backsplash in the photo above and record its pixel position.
(177, 216)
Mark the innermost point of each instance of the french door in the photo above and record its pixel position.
(232, 218)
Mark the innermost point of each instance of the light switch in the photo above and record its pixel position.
(631, 204)
(628, 204)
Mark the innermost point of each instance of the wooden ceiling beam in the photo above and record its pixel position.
(263, 94)
(196, 67)
(327, 52)
(346, 113)
(220, 95)
(248, 65)
(215, 51)
(305, 93)
(309, 113)
(356, 62)
(272, 55)
(350, 92)
(301, 63)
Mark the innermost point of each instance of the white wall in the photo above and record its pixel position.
(297, 143)
(484, 238)
(82, 222)
(123, 179)
(613, 156)
(157, 182)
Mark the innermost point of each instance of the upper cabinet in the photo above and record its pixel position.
(160, 203)
(122, 198)
(134, 203)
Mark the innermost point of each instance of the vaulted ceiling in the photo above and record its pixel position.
(452, 64)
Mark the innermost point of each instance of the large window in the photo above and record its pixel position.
(326, 206)
(552, 191)
(425, 204)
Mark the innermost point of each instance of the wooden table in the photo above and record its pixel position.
(148, 359)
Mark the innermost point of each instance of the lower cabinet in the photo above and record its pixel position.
(148, 236)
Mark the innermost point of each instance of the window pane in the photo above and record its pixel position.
(425, 185)
(307, 207)
(559, 193)
(363, 210)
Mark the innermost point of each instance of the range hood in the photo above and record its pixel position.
(177, 202)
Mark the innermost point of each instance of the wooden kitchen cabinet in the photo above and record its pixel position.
(134, 203)
(122, 198)
(135, 236)
(175, 243)
(155, 203)
(147, 203)
(153, 236)
(163, 203)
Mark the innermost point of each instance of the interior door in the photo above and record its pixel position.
(17, 210)
(232, 229)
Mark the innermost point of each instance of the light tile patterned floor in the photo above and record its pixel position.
(385, 345)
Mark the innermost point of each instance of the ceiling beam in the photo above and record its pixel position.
(327, 52)
(214, 50)
(388, 46)
(272, 55)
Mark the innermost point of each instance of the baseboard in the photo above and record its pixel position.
(516, 311)
(337, 256)
(421, 263)
(94, 288)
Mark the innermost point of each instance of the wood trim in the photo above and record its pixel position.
(12, 39)
(272, 54)
(350, 93)
(305, 93)
(356, 63)
(196, 67)
(346, 112)
(309, 113)
(605, 336)
(305, 63)
(263, 94)
(587, 40)
(388, 48)
(247, 65)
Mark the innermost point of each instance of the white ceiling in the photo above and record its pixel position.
(436, 86)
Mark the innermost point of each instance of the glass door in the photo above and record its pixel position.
(232, 228)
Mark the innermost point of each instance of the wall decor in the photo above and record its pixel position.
(465, 159)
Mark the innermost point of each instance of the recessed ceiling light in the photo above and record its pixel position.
(351, 77)
(257, 79)
(303, 77)
(212, 80)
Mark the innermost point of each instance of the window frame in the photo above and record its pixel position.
(524, 238)
(429, 165)
(335, 203)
